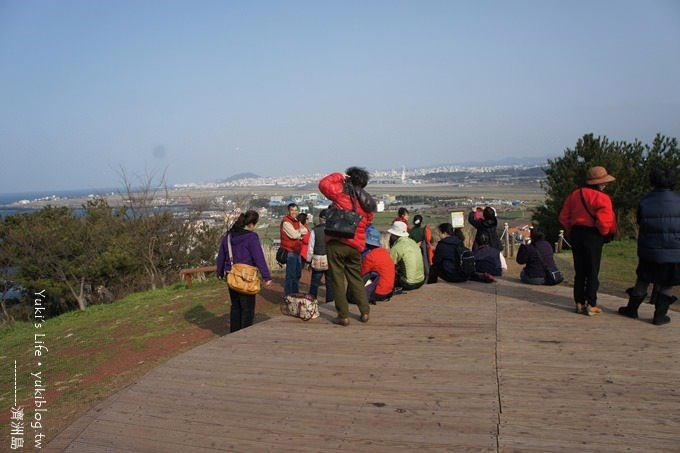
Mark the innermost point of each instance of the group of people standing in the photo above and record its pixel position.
(588, 218)
(359, 270)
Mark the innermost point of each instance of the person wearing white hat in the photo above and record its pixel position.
(588, 217)
(406, 254)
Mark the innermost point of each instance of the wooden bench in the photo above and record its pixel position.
(188, 274)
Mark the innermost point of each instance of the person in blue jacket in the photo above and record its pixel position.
(658, 247)
(487, 258)
(447, 255)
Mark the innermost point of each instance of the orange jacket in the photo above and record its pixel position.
(379, 260)
(428, 239)
(574, 212)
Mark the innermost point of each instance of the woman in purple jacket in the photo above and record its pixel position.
(245, 248)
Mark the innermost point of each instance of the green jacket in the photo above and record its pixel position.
(406, 251)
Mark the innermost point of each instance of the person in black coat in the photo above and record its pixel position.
(447, 262)
(658, 250)
(487, 259)
(487, 224)
(528, 254)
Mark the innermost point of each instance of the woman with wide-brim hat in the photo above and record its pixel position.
(588, 218)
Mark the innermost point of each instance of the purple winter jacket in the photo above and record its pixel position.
(246, 249)
(528, 255)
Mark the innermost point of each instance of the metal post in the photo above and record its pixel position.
(508, 243)
(560, 240)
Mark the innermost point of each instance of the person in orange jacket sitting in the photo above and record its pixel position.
(588, 217)
(377, 260)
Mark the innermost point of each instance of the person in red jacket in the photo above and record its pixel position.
(302, 218)
(378, 260)
(292, 233)
(344, 254)
(588, 217)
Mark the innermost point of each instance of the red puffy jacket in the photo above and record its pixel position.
(333, 188)
(574, 213)
(379, 260)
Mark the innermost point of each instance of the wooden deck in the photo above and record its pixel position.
(486, 367)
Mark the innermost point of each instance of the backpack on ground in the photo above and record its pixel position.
(467, 261)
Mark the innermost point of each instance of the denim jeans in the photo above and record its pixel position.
(316, 282)
(293, 274)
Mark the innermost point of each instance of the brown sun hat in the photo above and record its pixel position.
(598, 175)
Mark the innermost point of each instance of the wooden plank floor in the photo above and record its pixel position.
(485, 367)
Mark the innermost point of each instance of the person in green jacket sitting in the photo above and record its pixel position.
(408, 258)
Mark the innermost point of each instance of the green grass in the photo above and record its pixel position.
(92, 354)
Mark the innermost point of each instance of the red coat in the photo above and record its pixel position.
(574, 213)
(291, 245)
(332, 186)
(305, 245)
(379, 260)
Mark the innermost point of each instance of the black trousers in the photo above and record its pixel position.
(242, 310)
(586, 247)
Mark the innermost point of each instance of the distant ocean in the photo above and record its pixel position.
(9, 198)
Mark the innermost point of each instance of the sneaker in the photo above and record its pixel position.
(580, 309)
(488, 278)
(593, 310)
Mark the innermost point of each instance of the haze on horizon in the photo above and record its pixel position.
(211, 89)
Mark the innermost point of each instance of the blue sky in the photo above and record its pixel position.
(206, 89)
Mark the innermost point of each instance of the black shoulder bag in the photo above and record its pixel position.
(342, 223)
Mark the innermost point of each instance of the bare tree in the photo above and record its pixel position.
(142, 196)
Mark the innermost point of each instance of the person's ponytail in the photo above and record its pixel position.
(245, 219)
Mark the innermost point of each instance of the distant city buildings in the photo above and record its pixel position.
(451, 174)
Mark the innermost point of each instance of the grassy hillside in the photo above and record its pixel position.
(94, 353)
